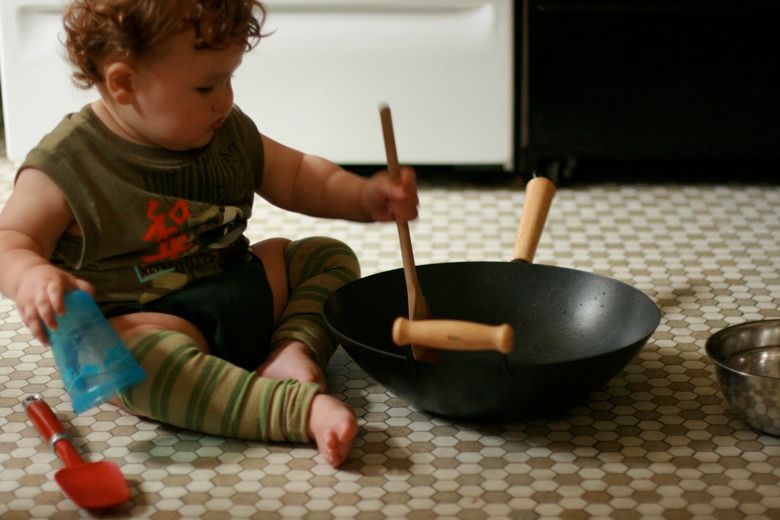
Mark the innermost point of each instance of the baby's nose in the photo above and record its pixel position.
(224, 97)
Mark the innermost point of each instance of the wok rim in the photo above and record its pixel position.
(403, 355)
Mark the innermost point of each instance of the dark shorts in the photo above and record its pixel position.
(233, 310)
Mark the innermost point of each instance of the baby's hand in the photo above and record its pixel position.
(40, 297)
(387, 200)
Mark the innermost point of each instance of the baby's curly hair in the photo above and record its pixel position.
(100, 29)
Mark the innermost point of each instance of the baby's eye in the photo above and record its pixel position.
(204, 90)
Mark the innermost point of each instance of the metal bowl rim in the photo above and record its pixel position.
(716, 338)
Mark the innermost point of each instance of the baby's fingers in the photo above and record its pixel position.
(38, 331)
(85, 286)
(404, 212)
(32, 320)
(408, 178)
(46, 313)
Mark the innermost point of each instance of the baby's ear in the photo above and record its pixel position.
(119, 82)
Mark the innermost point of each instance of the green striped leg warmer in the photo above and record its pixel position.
(189, 389)
(316, 266)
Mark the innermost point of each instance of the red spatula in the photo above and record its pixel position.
(91, 485)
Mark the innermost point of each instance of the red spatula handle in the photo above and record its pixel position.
(51, 429)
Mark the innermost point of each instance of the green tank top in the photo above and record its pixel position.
(152, 220)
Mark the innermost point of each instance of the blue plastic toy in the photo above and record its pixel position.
(93, 361)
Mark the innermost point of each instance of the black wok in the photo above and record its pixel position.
(573, 332)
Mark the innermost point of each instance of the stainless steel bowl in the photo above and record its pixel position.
(747, 357)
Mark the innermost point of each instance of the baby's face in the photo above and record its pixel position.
(182, 94)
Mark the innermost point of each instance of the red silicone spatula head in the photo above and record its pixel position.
(91, 485)
(96, 485)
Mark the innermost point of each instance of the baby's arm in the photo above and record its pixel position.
(31, 222)
(315, 186)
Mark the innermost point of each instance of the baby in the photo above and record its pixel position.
(142, 199)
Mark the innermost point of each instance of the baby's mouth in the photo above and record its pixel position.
(216, 124)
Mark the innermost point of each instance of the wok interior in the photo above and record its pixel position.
(559, 315)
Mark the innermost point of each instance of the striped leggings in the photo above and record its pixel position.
(197, 391)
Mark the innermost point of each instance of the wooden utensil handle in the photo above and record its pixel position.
(539, 193)
(393, 167)
(418, 306)
(394, 170)
(51, 429)
(453, 334)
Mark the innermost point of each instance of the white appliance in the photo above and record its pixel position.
(444, 66)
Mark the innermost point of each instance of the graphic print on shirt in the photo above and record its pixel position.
(176, 233)
(166, 230)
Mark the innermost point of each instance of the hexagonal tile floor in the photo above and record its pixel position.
(658, 441)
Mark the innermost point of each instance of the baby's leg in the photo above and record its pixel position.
(314, 267)
(294, 359)
(310, 269)
(189, 389)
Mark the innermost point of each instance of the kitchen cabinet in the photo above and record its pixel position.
(661, 79)
(316, 82)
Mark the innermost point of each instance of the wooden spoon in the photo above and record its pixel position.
(418, 306)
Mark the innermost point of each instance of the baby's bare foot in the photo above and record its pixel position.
(293, 361)
(333, 426)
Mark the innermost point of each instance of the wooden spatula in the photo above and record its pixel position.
(418, 306)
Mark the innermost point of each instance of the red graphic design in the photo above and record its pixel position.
(165, 230)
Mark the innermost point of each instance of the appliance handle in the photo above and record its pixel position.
(296, 6)
(373, 6)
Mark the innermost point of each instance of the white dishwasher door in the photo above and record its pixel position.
(444, 67)
(315, 83)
